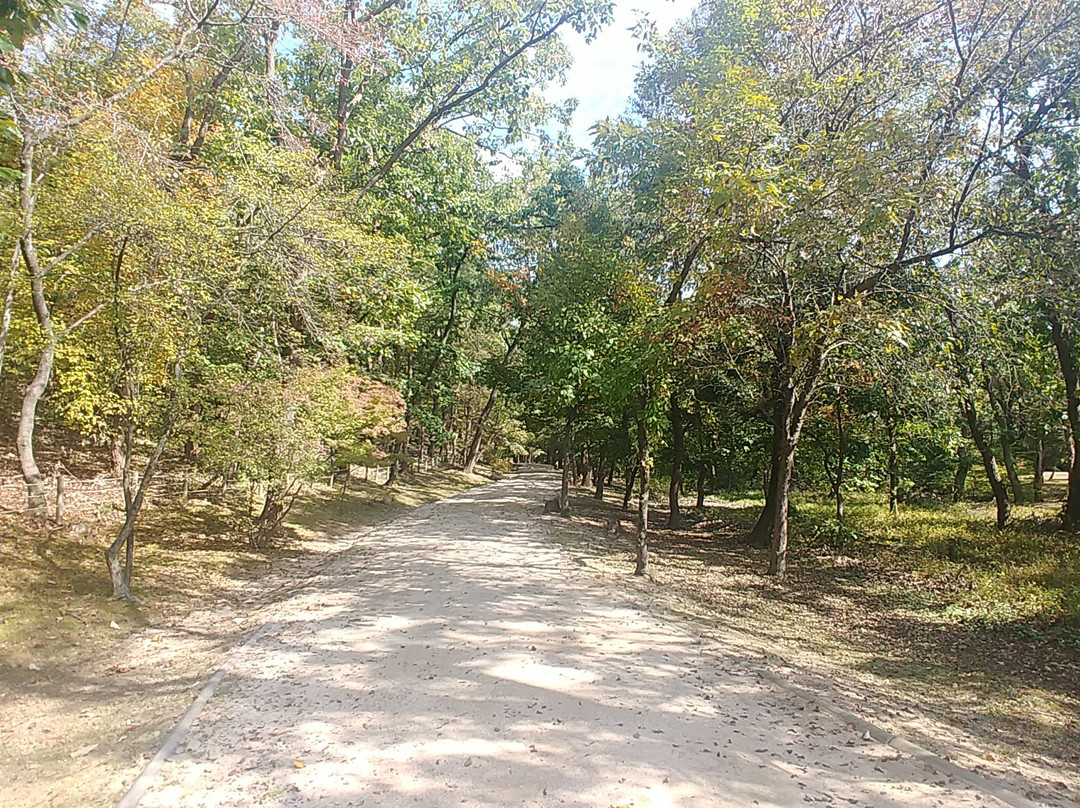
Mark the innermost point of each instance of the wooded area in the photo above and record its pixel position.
(252, 244)
(801, 330)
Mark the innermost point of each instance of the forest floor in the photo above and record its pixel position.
(89, 686)
(458, 656)
(901, 643)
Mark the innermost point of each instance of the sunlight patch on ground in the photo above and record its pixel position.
(560, 679)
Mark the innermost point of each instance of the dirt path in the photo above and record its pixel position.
(461, 658)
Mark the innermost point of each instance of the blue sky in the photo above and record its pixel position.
(602, 77)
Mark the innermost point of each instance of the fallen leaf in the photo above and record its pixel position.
(83, 751)
(298, 764)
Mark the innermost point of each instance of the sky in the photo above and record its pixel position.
(602, 76)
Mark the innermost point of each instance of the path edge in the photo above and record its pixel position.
(689, 622)
(149, 774)
(146, 778)
(979, 781)
(984, 783)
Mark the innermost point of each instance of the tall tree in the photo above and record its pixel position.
(842, 148)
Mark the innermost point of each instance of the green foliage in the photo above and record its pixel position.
(818, 219)
(1025, 577)
(23, 19)
(243, 247)
(296, 426)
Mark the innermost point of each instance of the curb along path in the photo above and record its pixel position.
(463, 659)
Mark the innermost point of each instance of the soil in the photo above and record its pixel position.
(476, 652)
(90, 686)
(460, 656)
(991, 700)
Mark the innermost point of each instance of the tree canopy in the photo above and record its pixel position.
(264, 241)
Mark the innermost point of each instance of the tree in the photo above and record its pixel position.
(472, 66)
(47, 108)
(838, 161)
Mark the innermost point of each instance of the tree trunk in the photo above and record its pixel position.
(211, 94)
(279, 128)
(841, 456)
(894, 463)
(1010, 468)
(791, 410)
(394, 473)
(761, 535)
(474, 445)
(341, 117)
(963, 466)
(116, 456)
(641, 566)
(120, 575)
(782, 497)
(1071, 375)
(266, 526)
(598, 475)
(567, 463)
(631, 476)
(9, 302)
(24, 441)
(701, 487)
(1038, 483)
(473, 455)
(999, 406)
(1001, 494)
(677, 456)
(444, 338)
(970, 416)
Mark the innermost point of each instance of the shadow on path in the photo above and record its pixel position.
(462, 659)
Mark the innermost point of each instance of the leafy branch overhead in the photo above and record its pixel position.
(266, 242)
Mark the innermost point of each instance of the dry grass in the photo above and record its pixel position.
(89, 685)
(968, 650)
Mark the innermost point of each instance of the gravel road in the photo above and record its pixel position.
(458, 657)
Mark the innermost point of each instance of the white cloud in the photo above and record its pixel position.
(602, 76)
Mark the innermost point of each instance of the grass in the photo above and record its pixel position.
(932, 622)
(1025, 577)
(81, 671)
